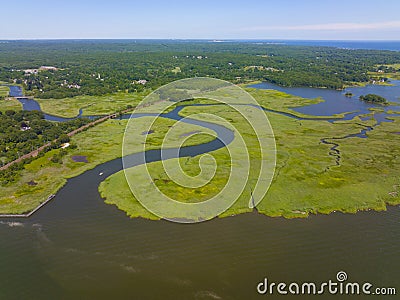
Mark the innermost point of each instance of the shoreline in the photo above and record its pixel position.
(28, 214)
(288, 215)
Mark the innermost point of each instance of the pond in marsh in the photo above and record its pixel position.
(335, 102)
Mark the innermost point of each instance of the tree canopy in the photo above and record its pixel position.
(87, 68)
(373, 98)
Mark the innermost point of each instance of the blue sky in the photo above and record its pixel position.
(278, 19)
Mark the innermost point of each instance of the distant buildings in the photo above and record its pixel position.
(31, 71)
(140, 81)
(42, 68)
(47, 68)
(70, 86)
(25, 127)
(73, 86)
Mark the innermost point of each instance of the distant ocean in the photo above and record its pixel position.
(374, 45)
(371, 45)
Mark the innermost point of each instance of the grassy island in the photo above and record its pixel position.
(309, 178)
(349, 94)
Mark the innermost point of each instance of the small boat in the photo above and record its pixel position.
(101, 173)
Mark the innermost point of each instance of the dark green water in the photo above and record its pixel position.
(77, 247)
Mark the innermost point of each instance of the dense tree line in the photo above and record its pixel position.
(101, 67)
(24, 131)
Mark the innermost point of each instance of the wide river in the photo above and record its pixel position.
(77, 247)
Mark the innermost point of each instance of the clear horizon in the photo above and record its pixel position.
(224, 20)
(200, 39)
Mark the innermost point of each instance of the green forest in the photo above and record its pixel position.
(50, 69)
(24, 131)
